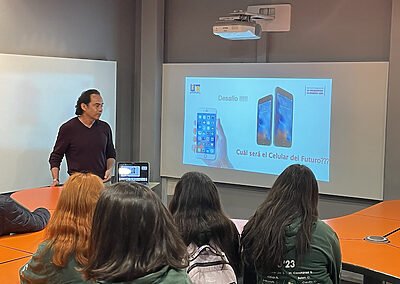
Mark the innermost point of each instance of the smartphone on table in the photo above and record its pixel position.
(206, 124)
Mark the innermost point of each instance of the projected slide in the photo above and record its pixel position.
(258, 125)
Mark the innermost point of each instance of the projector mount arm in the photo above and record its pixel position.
(242, 16)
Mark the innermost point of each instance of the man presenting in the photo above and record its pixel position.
(85, 140)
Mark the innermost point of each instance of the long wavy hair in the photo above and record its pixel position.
(69, 227)
(197, 211)
(293, 196)
(133, 234)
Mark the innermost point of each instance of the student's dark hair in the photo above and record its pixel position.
(197, 211)
(133, 234)
(293, 198)
(84, 98)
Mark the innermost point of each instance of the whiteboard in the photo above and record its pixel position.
(356, 131)
(38, 94)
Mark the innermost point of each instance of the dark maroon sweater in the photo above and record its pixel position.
(86, 149)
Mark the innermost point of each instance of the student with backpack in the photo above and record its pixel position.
(285, 241)
(211, 237)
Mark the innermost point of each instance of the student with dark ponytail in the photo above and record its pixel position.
(284, 241)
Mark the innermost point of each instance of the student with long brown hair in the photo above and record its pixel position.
(285, 241)
(65, 248)
(134, 239)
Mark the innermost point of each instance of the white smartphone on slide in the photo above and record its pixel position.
(206, 124)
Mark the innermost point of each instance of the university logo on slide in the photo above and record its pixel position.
(195, 88)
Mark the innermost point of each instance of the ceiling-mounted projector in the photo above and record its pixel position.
(244, 25)
(237, 30)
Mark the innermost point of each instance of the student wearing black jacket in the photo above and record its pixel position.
(15, 218)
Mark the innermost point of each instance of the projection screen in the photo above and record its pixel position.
(245, 123)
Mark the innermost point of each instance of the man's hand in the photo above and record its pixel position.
(55, 172)
(107, 175)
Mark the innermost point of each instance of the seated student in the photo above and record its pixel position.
(285, 242)
(134, 239)
(66, 245)
(198, 213)
(15, 218)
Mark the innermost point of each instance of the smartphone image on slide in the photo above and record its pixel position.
(206, 133)
(264, 120)
(283, 118)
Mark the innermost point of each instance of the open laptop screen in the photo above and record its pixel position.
(133, 172)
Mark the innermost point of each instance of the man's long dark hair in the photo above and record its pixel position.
(84, 98)
(293, 196)
(133, 234)
(197, 211)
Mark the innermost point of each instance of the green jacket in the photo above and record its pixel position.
(40, 269)
(166, 275)
(322, 263)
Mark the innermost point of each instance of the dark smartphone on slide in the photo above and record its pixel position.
(206, 133)
(264, 120)
(283, 118)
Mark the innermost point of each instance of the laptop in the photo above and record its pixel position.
(133, 172)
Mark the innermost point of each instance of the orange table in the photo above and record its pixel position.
(395, 239)
(9, 254)
(9, 272)
(23, 242)
(46, 197)
(355, 226)
(376, 261)
(387, 210)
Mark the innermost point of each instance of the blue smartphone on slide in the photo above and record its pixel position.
(264, 120)
(206, 124)
(283, 118)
